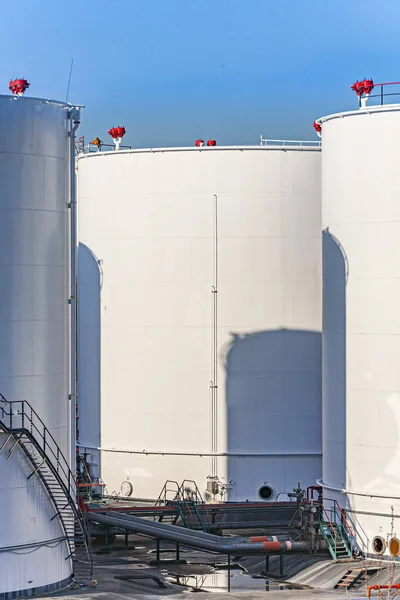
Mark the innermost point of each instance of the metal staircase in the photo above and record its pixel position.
(188, 501)
(353, 578)
(25, 429)
(337, 532)
(190, 515)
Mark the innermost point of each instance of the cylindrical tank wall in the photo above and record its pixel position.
(33, 550)
(361, 327)
(34, 322)
(201, 268)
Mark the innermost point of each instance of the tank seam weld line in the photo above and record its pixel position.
(33, 210)
(200, 454)
(10, 152)
(353, 493)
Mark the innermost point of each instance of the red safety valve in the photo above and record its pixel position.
(18, 86)
(199, 142)
(317, 127)
(357, 87)
(363, 87)
(117, 132)
(368, 86)
(211, 143)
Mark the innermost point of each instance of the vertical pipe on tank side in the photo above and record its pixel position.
(74, 120)
(215, 336)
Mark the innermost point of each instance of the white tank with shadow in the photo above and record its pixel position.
(200, 319)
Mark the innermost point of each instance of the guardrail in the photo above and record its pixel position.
(385, 91)
(290, 143)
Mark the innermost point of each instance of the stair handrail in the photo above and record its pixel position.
(47, 439)
(198, 496)
(327, 518)
(199, 500)
(360, 544)
(343, 517)
(191, 519)
(162, 498)
(61, 462)
(344, 521)
(337, 508)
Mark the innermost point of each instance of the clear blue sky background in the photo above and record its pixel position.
(172, 71)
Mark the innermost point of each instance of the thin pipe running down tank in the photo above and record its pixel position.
(74, 121)
(175, 534)
(214, 382)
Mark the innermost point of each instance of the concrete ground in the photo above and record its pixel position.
(126, 573)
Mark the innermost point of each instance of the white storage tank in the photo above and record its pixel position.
(34, 332)
(361, 341)
(200, 319)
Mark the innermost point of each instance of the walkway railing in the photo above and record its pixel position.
(290, 143)
(382, 92)
(89, 147)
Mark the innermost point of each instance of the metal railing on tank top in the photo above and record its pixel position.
(382, 93)
(290, 143)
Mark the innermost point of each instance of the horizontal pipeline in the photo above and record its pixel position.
(211, 507)
(354, 493)
(204, 542)
(201, 454)
(251, 525)
(156, 526)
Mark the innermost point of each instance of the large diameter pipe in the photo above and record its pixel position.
(194, 533)
(169, 533)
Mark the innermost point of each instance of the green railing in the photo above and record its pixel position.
(188, 500)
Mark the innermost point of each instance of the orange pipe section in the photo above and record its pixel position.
(395, 586)
(263, 538)
(277, 546)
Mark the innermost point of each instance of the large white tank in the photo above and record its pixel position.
(200, 318)
(361, 341)
(34, 330)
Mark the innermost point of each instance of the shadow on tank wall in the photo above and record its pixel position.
(89, 349)
(273, 398)
(338, 434)
(273, 403)
(335, 275)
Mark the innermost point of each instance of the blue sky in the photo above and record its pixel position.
(172, 71)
